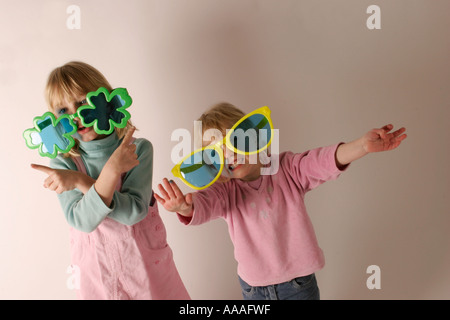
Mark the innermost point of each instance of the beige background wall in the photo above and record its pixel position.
(327, 78)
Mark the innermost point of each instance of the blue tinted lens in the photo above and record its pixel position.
(68, 127)
(201, 168)
(53, 136)
(252, 134)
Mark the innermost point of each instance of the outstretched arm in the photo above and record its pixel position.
(376, 140)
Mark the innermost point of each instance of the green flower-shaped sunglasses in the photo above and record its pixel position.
(104, 111)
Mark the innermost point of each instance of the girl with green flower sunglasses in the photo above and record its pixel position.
(105, 190)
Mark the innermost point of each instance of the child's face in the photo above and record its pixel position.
(70, 106)
(237, 166)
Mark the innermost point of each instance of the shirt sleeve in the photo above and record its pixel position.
(314, 167)
(131, 204)
(209, 204)
(83, 212)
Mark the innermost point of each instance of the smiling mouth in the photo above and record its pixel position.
(82, 130)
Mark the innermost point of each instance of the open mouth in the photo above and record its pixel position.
(82, 130)
(233, 167)
(235, 163)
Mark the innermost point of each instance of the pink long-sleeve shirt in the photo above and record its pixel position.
(274, 240)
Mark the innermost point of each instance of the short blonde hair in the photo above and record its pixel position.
(75, 78)
(221, 116)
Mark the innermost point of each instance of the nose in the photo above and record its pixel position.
(228, 154)
(77, 120)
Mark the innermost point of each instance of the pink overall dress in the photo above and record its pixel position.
(120, 262)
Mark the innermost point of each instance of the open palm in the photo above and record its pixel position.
(377, 140)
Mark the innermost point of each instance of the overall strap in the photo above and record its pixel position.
(79, 163)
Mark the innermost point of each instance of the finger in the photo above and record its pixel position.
(52, 186)
(401, 138)
(396, 141)
(132, 147)
(163, 192)
(59, 190)
(176, 189)
(188, 198)
(128, 136)
(42, 168)
(48, 182)
(159, 199)
(388, 127)
(398, 132)
(169, 189)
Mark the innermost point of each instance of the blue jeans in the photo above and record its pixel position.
(301, 288)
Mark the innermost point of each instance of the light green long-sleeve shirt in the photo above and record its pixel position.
(85, 212)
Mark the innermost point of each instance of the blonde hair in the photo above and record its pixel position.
(75, 78)
(221, 116)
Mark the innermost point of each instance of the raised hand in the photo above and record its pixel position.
(377, 140)
(173, 199)
(124, 158)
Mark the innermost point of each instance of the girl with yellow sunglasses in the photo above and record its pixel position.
(249, 136)
(274, 241)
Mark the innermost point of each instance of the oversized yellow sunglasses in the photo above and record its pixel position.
(250, 135)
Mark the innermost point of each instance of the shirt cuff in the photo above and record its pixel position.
(184, 220)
